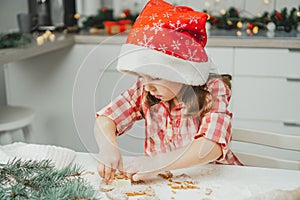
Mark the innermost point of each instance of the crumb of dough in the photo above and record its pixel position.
(137, 190)
(208, 191)
(183, 178)
(131, 191)
(183, 186)
(166, 175)
(182, 181)
(118, 182)
(120, 176)
(116, 195)
(139, 182)
(106, 188)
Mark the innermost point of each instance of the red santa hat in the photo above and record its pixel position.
(167, 42)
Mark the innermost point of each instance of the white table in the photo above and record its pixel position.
(225, 181)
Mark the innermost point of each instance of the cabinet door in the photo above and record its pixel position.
(266, 99)
(267, 62)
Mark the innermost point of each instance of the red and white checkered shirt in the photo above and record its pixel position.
(165, 132)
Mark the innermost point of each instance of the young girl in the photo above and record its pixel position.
(185, 107)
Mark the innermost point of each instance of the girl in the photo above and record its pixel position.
(185, 107)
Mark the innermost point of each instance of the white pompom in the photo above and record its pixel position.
(270, 34)
(271, 26)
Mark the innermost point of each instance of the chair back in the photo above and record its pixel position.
(269, 139)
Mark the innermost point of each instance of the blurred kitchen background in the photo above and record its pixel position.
(57, 82)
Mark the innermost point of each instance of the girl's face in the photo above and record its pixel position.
(160, 88)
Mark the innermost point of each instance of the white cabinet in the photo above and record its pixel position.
(266, 85)
(266, 98)
(265, 62)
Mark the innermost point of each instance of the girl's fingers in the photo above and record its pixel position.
(107, 174)
(100, 169)
(112, 174)
(129, 171)
(120, 166)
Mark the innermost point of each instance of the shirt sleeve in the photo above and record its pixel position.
(216, 124)
(124, 110)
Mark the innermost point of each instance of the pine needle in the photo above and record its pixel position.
(41, 180)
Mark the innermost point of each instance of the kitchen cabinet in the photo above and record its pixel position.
(265, 87)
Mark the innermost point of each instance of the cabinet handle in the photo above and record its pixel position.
(294, 49)
(294, 124)
(293, 79)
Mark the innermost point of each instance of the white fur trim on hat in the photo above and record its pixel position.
(157, 64)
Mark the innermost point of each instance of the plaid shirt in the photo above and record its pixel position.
(167, 130)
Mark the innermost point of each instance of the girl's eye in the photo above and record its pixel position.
(155, 79)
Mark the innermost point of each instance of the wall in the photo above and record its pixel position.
(2, 86)
(247, 7)
(8, 14)
(8, 23)
(10, 8)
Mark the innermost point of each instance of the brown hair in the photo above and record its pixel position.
(196, 98)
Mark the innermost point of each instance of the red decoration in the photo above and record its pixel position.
(278, 16)
(113, 27)
(127, 12)
(104, 9)
(250, 26)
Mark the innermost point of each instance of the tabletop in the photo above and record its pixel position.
(213, 181)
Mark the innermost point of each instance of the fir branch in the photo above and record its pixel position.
(41, 180)
(10, 40)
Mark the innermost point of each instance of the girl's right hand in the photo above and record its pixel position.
(109, 161)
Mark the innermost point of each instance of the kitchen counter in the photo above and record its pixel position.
(289, 41)
(226, 182)
(32, 49)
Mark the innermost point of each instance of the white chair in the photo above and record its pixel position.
(276, 140)
(14, 118)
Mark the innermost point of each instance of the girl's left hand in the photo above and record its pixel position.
(141, 167)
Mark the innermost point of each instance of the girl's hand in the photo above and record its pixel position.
(142, 167)
(109, 161)
(110, 158)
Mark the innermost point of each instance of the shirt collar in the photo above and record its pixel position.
(181, 105)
